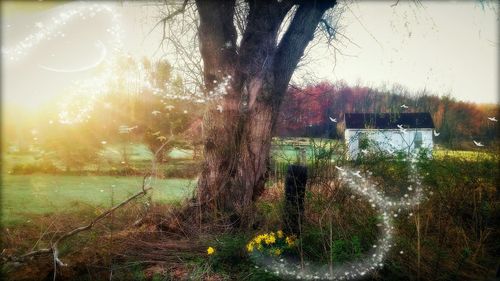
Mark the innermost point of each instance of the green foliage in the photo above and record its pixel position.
(124, 171)
(159, 277)
(317, 246)
(460, 208)
(364, 143)
(462, 198)
(232, 259)
(345, 250)
(230, 251)
(269, 215)
(138, 274)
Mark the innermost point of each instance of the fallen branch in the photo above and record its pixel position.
(54, 247)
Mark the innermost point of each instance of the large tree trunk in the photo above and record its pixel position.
(238, 139)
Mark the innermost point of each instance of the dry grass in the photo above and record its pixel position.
(453, 235)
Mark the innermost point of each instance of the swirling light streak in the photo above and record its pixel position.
(387, 208)
(137, 78)
(102, 56)
(50, 29)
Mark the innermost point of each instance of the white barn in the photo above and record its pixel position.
(367, 133)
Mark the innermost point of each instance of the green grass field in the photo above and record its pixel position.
(462, 154)
(23, 196)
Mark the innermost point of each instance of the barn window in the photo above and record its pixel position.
(418, 139)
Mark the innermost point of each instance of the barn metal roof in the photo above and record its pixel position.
(388, 120)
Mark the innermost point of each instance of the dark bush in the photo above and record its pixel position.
(181, 171)
(125, 171)
(41, 167)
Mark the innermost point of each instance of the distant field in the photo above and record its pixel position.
(462, 154)
(139, 157)
(23, 195)
(287, 150)
(283, 150)
(43, 194)
(139, 152)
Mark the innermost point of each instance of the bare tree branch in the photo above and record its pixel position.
(296, 38)
(395, 4)
(329, 29)
(170, 16)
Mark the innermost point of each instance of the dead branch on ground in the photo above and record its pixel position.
(54, 247)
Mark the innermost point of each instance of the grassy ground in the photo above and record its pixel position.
(451, 236)
(34, 194)
(23, 196)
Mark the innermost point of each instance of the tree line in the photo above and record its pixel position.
(143, 117)
(307, 111)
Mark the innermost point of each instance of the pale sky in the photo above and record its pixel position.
(443, 47)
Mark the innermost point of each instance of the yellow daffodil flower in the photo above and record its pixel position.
(270, 239)
(210, 251)
(250, 247)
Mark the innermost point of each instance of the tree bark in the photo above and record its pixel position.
(237, 141)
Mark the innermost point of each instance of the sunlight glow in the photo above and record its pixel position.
(102, 56)
(134, 79)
